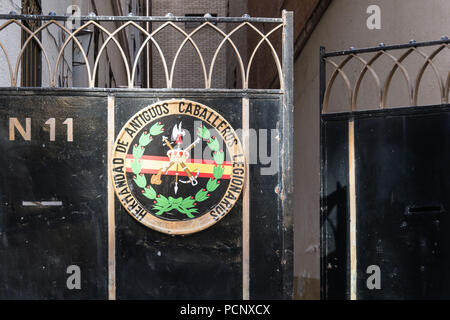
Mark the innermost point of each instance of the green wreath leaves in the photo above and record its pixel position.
(138, 152)
(186, 205)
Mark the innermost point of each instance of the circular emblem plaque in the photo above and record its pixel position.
(178, 167)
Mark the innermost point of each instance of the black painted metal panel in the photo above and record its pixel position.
(266, 270)
(204, 265)
(334, 209)
(402, 187)
(37, 244)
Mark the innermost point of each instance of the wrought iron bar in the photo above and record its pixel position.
(387, 48)
(142, 18)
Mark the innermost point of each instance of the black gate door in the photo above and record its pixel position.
(53, 195)
(143, 218)
(385, 196)
(402, 187)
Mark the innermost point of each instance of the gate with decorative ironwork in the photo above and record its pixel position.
(384, 170)
(136, 183)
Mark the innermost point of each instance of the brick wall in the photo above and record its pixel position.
(188, 71)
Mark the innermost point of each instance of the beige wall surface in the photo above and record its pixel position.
(344, 25)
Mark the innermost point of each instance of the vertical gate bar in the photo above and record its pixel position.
(287, 171)
(246, 201)
(322, 74)
(147, 49)
(323, 273)
(111, 207)
(352, 196)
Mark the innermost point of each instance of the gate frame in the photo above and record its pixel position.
(285, 181)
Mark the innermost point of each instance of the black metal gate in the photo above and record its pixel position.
(385, 181)
(58, 209)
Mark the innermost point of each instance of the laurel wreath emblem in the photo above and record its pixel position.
(161, 203)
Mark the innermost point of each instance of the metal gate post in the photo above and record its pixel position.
(287, 151)
(246, 202)
(322, 75)
(111, 203)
